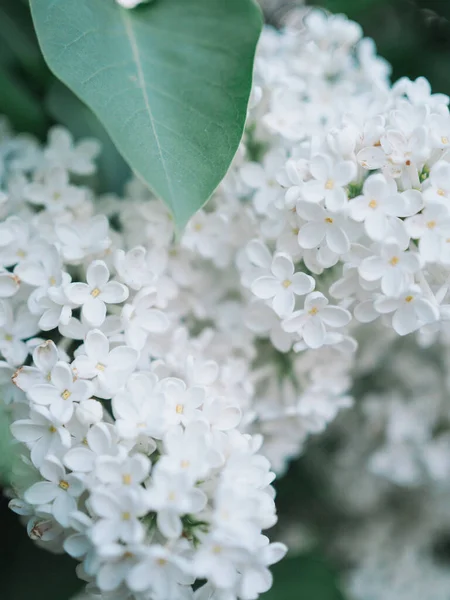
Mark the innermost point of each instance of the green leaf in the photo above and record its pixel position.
(303, 577)
(68, 110)
(170, 82)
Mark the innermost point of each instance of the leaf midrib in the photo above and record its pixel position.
(128, 26)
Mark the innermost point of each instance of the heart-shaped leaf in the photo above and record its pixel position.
(169, 80)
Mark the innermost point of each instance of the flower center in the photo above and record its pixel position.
(444, 140)
(126, 479)
(8, 337)
(328, 220)
(161, 562)
(329, 184)
(184, 464)
(394, 261)
(126, 516)
(100, 366)
(64, 485)
(409, 298)
(198, 227)
(441, 192)
(179, 409)
(431, 224)
(95, 292)
(52, 429)
(373, 204)
(287, 283)
(66, 395)
(314, 310)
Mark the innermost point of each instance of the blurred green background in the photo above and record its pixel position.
(414, 36)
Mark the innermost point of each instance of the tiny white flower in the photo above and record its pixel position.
(328, 182)
(323, 226)
(393, 266)
(311, 322)
(55, 194)
(282, 285)
(61, 392)
(109, 368)
(43, 433)
(59, 489)
(430, 227)
(120, 512)
(77, 158)
(96, 293)
(411, 310)
(171, 496)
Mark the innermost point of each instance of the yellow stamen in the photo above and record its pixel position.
(373, 204)
(444, 140)
(64, 485)
(441, 192)
(8, 337)
(409, 298)
(329, 184)
(328, 220)
(179, 409)
(161, 562)
(126, 516)
(52, 429)
(287, 283)
(184, 464)
(21, 253)
(95, 292)
(217, 549)
(198, 227)
(126, 479)
(313, 311)
(66, 395)
(431, 224)
(394, 261)
(100, 367)
(172, 496)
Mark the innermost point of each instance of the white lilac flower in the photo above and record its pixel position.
(61, 392)
(311, 322)
(96, 293)
(108, 368)
(59, 489)
(380, 204)
(328, 182)
(56, 194)
(282, 285)
(393, 266)
(77, 158)
(411, 310)
(322, 225)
